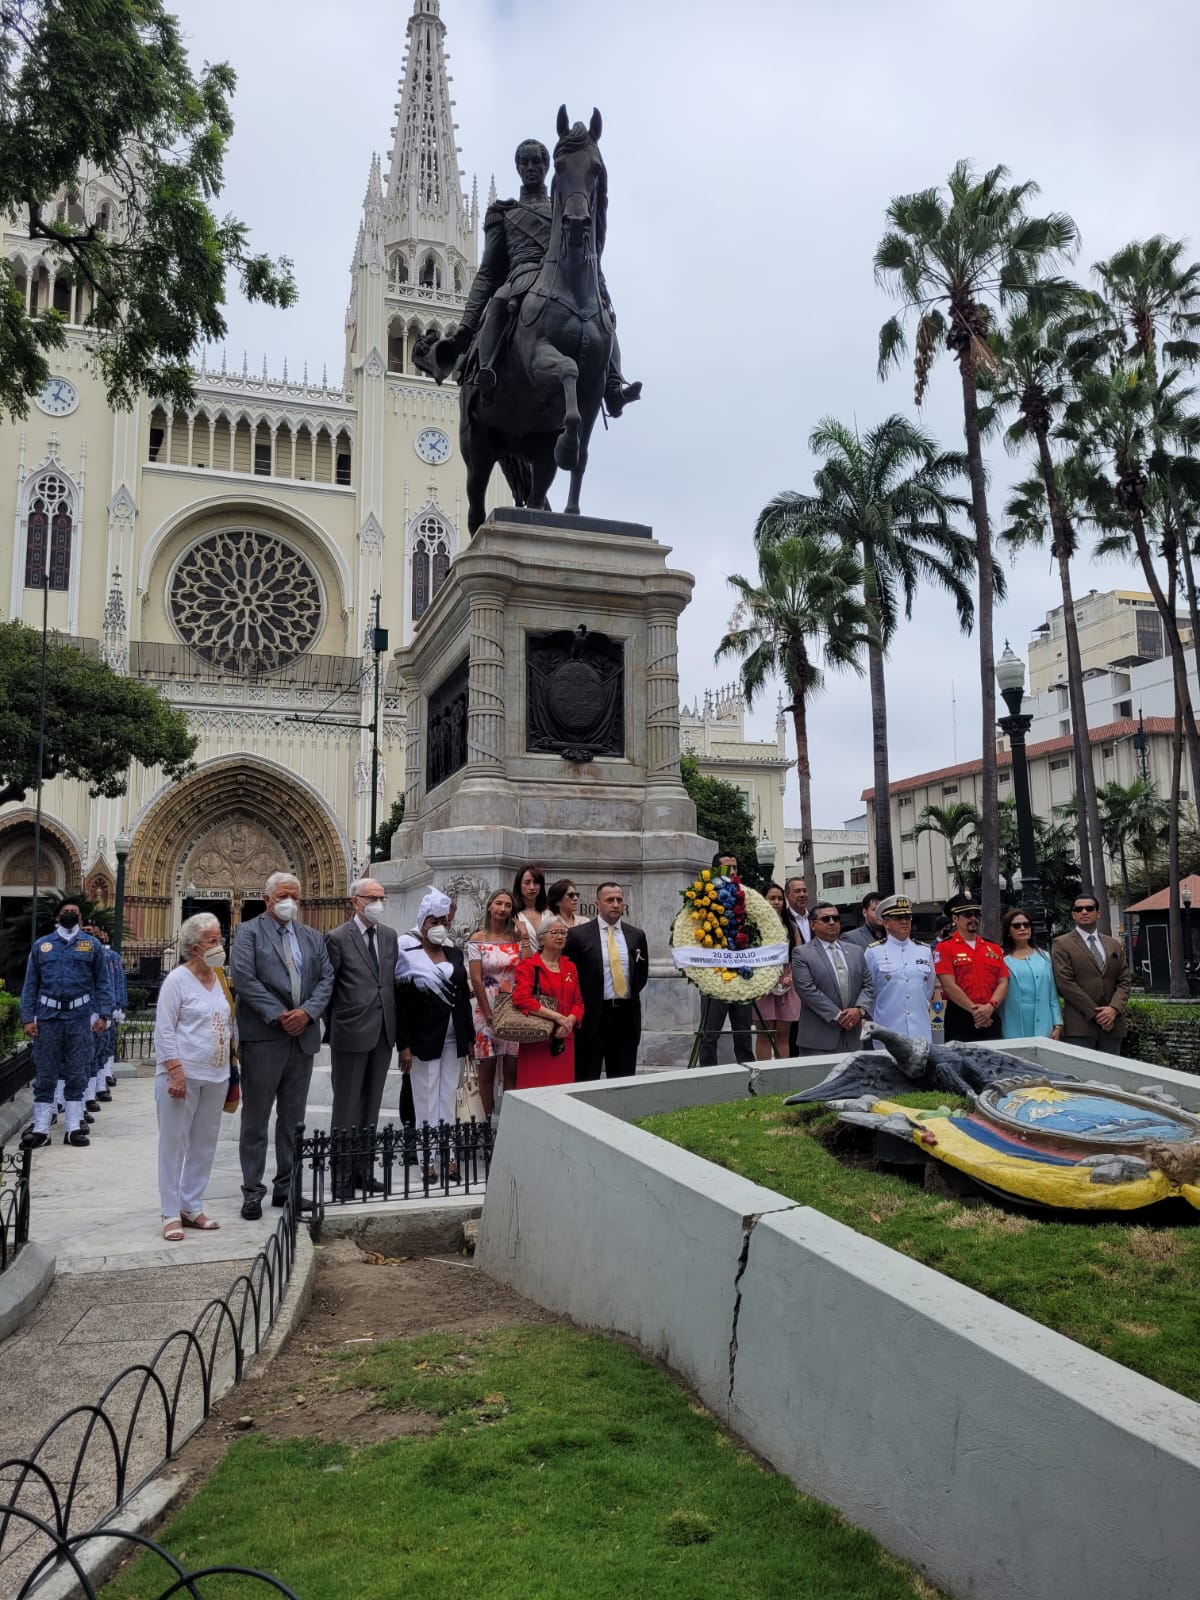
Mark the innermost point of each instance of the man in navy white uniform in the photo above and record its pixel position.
(902, 973)
(67, 997)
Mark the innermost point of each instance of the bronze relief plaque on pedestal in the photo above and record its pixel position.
(575, 694)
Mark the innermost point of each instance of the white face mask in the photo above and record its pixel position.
(216, 956)
(439, 934)
(373, 911)
(285, 910)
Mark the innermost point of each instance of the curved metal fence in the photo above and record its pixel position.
(96, 1457)
(395, 1163)
(14, 1205)
(63, 1553)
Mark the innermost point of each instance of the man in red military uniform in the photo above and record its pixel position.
(972, 973)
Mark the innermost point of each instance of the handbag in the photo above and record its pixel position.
(514, 1026)
(468, 1102)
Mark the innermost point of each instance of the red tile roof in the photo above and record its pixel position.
(1161, 900)
(1047, 747)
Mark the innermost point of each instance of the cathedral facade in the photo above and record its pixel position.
(230, 554)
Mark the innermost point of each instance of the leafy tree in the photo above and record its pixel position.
(886, 497)
(103, 87)
(807, 601)
(1031, 375)
(97, 721)
(958, 824)
(945, 256)
(722, 814)
(381, 839)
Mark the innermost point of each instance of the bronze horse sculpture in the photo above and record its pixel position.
(552, 366)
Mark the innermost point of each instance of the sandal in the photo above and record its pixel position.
(205, 1224)
(172, 1230)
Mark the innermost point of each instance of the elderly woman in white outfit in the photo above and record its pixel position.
(192, 1031)
(435, 1030)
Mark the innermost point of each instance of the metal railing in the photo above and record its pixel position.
(135, 1041)
(93, 1460)
(394, 1163)
(14, 1205)
(16, 1072)
(182, 1581)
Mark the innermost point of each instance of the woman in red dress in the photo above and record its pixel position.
(557, 997)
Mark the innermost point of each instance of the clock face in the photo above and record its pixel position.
(58, 398)
(432, 445)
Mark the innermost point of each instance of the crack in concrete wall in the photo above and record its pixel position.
(748, 1226)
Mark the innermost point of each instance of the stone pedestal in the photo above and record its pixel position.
(543, 726)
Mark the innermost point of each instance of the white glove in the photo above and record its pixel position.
(118, 1015)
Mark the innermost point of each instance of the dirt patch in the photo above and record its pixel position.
(360, 1299)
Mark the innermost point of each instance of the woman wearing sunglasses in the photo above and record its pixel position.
(1030, 1009)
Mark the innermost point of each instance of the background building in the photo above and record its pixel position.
(230, 553)
(1118, 629)
(714, 731)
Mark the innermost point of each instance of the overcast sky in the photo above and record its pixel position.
(752, 151)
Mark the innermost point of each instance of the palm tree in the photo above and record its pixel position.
(979, 245)
(1032, 376)
(959, 825)
(1132, 815)
(806, 605)
(1117, 420)
(886, 498)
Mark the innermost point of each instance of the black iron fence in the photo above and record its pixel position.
(95, 1458)
(395, 1163)
(135, 1041)
(16, 1072)
(14, 1205)
(179, 1581)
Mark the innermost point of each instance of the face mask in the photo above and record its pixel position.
(285, 910)
(439, 934)
(373, 911)
(216, 956)
(69, 919)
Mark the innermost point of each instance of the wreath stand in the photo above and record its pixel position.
(698, 1038)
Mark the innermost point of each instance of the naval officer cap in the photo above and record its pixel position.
(896, 905)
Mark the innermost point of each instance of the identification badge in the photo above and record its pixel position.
(84, 944)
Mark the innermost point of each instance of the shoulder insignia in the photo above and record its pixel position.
(875, 943)
(46, 948)
(496, 210)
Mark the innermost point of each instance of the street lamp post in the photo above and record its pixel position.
(1189, 948)
(123, 843)
(1010, 676)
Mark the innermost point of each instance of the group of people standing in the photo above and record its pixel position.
(72, 1001)
(1076, 991)
(413, 997)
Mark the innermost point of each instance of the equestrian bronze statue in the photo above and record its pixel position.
(536, 353)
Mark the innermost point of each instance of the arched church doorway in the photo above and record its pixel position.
(210, 842)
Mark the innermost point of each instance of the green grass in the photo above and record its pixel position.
(564, 1466)
(1125, 1289)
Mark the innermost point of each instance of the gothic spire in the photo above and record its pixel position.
(424, 160)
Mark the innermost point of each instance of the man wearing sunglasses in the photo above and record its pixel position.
(1093, 981)
(972, 973)
(834, 986)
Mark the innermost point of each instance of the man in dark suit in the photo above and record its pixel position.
(1093, 981)
(873, 928)
(834, 985)
(281, 974)
(361, 1018)
(613, 963)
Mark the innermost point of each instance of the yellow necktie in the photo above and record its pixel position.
(620, 987)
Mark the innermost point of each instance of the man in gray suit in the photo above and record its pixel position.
(872, 929)
(282, 979)
(362, 1019)
(834, 985)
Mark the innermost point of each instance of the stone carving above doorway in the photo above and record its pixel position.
(235, 855)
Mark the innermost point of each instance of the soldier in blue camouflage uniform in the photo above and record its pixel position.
(67, 997)
(104, 1044)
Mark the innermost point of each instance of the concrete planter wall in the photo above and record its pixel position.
(1001, 1458)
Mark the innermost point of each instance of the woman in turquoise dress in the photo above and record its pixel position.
(1030, 1009)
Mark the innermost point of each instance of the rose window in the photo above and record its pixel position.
(246, 601)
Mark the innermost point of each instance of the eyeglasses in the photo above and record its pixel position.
(1016, 925)
(827, 919)
(571, 894)
(1085, 908)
